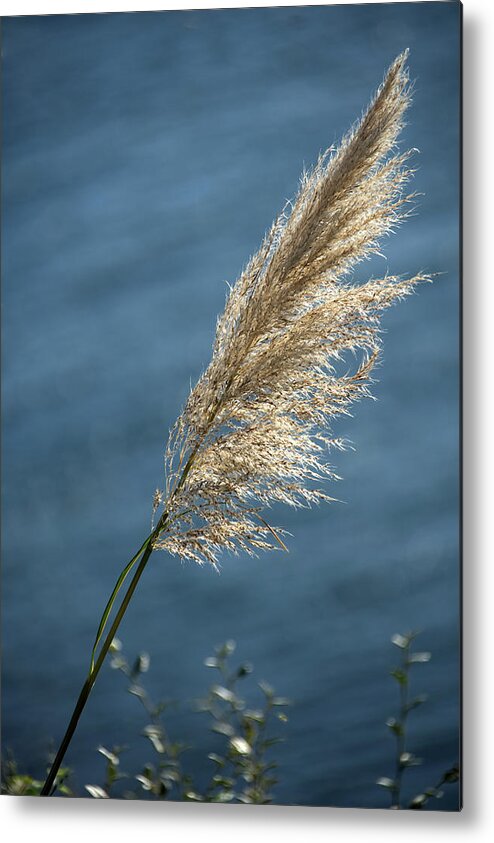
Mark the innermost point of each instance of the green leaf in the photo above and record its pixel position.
(155, 735)
(112, 758)
(223, 729)
(433, 792)
(118, 585)
(224, 781)
(224, 693)
(217, 759)
(452, 775)
(223, 796)
(418, 802)
(254, 714)
(226, 649)
(249, 730)
(170, 776)
(22, 785)
(422, 698)
(118, 662)
(267, 690)
(141, 664)
(244, 670)
(192, 796)
(419, 657)
(66, 791)
(96, 792)
(145, 782)
(394, 725)
(401, 641)
(399, 675)
(240, 745)
(408, 759)
(271, 742)
(137, 691)
(384, 781)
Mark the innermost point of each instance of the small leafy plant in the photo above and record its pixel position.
(398, 727)
(243, 773)
(242, 770)
(15, 783)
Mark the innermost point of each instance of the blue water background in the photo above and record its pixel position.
(144, 155)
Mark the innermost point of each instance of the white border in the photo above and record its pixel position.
(51, 7)
(75, 820)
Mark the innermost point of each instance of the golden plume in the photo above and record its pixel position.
(255, 427)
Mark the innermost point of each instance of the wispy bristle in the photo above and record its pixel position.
(255, 427)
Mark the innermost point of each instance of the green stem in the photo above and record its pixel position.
(401, 738)
(126, 571)
(146, 549)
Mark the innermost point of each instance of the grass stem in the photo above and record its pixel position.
(146, 549)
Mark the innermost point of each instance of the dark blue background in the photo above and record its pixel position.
(144, 155)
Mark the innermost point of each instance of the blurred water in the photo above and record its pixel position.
(144, 157)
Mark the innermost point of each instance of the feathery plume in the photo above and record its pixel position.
(255, 427)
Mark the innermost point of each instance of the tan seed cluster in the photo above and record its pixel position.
(255, 427)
